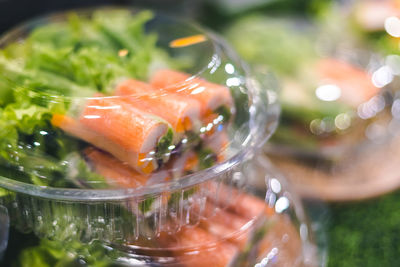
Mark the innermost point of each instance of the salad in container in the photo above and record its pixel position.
(338, 100)
(129, 139)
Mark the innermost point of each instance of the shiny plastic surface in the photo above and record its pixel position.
(253, 117)
(181, 215)
(254, 221)
(339, 123)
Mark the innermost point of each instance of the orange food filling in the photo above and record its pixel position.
(191, 163)
(186, 41)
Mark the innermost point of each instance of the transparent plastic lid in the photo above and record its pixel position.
(336, 93)
(339, 96)
(116, 99)
(133, 137)
(247, 217)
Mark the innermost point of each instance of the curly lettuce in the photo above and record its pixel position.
(74, 58)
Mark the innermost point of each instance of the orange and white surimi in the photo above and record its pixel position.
(355, 83)
(113, 170)
(205, 249)
(210, 95)
(115, 126)
(118, 173)
(181, 112)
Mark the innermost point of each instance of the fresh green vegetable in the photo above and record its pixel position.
(72, 254)
(94, 52)
(271, 42)
(164, 143)
(224, 112)
(207, 158)
(76, 58)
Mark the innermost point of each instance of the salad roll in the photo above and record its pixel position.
(354, 83)
(181, 112)
(213, 98)
(129, 134)
(203, 248)
(117, 173)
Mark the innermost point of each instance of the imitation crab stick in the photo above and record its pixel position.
(181, 112)
(225, 224)
(268, 231)
(240, 203)
(211, 96)
(355, 84)
(203, 248)
(127, 133)
(114, 170)
(118, 173)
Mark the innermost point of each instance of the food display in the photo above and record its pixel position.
(229, 237)
(338, 97)
(67, 96)
(330, 98)
(130, 135)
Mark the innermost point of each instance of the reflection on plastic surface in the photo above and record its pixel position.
(128, 158)
(329, 148)
(145, 116)
(328, 92)
(392, 26)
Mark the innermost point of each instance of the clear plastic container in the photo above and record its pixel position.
(338, 100)
(152, 205)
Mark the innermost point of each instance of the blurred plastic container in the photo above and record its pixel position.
(338, 104)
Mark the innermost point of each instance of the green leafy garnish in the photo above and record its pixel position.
(146, 205)
(207, 158)
(224, 112)
(164, 143)
(74, 58)
(53, 253)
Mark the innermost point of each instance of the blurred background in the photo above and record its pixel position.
(210, 12)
